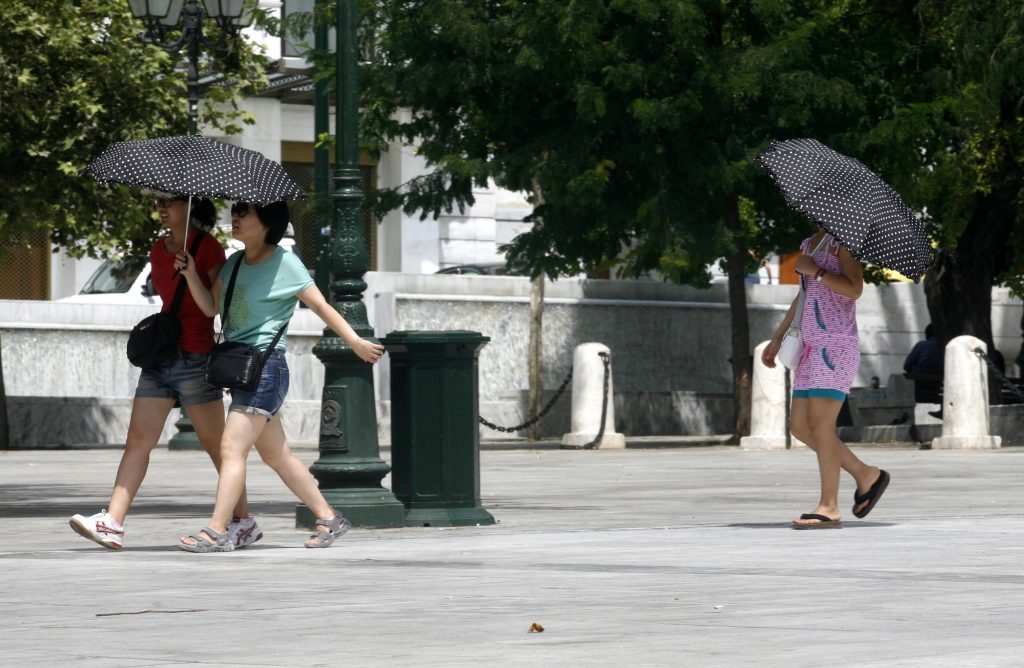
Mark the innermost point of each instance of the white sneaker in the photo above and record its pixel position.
(244, 532)
(100, 527)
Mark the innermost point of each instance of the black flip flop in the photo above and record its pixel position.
(871, 496)
(824, 522)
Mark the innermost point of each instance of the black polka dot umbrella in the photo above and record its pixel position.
(197, 166)
(856, 207)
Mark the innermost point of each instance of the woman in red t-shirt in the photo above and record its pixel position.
(177, 380)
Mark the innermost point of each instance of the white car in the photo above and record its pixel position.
(104, 286)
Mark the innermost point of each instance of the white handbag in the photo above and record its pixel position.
(792, 350)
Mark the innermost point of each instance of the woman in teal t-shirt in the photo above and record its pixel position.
(268, 284)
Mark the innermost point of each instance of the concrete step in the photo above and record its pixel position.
(889, 433)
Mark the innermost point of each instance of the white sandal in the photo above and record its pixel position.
(336, 527)
(221, 542)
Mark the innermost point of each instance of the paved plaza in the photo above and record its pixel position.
(643, 557)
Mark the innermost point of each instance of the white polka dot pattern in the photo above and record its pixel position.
(857, 207)
(198, 166)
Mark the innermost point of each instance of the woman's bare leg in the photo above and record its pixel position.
(208, 420)
(864, 475)
(821, 418)
(147, 423)
(240, 431)
(817, 423)
(273, 448)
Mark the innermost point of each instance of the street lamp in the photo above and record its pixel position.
(349, 470)
(160, 17)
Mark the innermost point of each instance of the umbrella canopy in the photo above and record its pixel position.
(197, 166)
(856, 207)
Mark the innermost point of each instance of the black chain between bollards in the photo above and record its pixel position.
(535, 418)
(1003, 380)
(606, 358)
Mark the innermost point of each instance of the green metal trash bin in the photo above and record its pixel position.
(435, 437)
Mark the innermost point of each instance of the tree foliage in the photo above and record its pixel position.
(637, 120)
(76, 78)
(953, 138)
(633, 125)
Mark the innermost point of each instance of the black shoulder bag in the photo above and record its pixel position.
(237, 366)
(155, 338)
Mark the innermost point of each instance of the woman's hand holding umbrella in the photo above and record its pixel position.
(186, 264)
(806, 266)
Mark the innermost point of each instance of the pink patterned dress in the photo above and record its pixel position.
(828, 329)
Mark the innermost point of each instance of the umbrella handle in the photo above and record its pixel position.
(188, 219)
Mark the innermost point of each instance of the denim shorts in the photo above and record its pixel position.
(180, 377)
(270, 393)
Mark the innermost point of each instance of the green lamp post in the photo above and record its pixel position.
(349, 469)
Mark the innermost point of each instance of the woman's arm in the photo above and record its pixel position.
(366, 350)
(850, 283)
(772, 349)
(207, 299)
(787, 321)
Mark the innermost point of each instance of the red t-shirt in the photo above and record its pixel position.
(196, 327)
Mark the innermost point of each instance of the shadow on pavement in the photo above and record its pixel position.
(22, 501)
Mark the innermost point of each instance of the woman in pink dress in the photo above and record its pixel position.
(833, 281)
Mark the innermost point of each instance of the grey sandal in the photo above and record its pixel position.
(336, 527)
(221, 542)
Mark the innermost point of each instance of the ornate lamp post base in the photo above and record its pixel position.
(350, 470)
(448, 517)
(186, 438)
(368, 508)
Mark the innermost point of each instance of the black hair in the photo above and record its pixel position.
(203, 211)
(274, 217)
(929, 331)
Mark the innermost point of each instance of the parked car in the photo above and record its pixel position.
(484, 269)
(110, 284)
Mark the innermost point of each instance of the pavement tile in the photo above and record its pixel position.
(640, 557)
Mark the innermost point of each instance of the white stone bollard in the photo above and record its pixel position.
(587, 389)
(965, 424)
(767, 406)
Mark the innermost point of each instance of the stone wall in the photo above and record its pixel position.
(68, 381)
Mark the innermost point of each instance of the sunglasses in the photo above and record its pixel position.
(167, 201)
(241, 209)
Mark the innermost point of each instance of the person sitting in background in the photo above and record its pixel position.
(926, 357)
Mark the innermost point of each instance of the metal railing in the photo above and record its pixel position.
(606, 359)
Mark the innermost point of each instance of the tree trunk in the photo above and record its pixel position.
(958, 288)
(536, 322)
(742, 360)
(5, 428)
(536, 389)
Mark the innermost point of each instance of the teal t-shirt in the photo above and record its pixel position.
(264, 297)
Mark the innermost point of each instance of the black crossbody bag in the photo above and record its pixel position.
(237, 366)
(155, 338)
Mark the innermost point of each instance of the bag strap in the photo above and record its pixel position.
(231, 289)
(273, 344)
(825, 237)
(227, 307)
(179, 292)
(798, 314)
